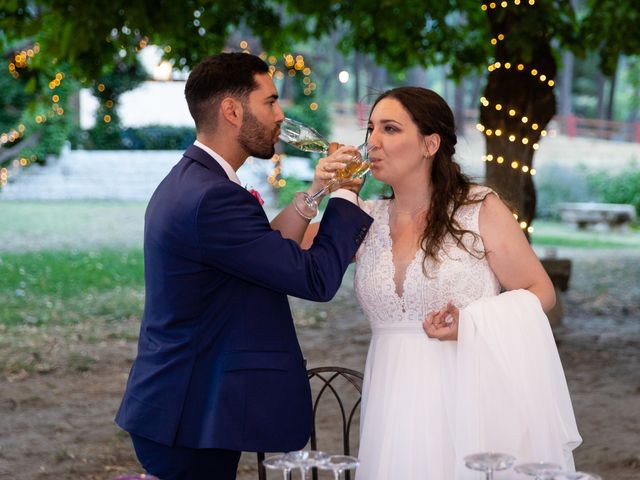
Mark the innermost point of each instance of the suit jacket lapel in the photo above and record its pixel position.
(200, 156)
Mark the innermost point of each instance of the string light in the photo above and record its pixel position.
(510, 112)
(504, 4)
(19, 61)
(292, 66)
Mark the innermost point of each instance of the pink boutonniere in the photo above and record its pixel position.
(255, 193)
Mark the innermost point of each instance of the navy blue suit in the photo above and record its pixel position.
(219, 364)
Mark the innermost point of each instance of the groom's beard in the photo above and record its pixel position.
(255, 137)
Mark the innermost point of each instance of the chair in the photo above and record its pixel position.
(343, 384)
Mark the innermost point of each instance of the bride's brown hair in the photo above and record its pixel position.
(451, 187)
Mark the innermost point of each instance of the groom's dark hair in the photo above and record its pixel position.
(216, 77)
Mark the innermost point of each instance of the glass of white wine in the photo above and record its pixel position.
(307, 139)
(302, 137)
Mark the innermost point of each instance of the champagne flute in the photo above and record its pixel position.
(302, 137)
(339, 464)
(278, 462)
(307, 139)
(489, 462)
(305, 460)
(539, 470)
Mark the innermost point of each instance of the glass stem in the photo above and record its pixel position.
(490, 474)
(324, 191)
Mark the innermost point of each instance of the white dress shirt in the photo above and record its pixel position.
(228, 169)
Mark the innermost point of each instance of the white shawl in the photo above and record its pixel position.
(512, 396)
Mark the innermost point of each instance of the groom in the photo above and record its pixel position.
(219, 369)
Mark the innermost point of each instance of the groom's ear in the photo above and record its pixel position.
(231, 111)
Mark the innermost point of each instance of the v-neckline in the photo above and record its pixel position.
(399, 296)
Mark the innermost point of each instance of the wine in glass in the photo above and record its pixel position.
(302, 137)
(539, 470)
(489, 462)
(339, 464)
(278, 462)
(307, 139)
(305, 460)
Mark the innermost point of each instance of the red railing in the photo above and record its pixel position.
(574, 126)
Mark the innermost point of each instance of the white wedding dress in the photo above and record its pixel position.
(408, 410)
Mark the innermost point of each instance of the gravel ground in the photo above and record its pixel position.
(57, 422)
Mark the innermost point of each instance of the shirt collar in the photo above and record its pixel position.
(228, 169)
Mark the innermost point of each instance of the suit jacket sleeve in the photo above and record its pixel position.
(235, 236)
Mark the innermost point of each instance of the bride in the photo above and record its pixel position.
(454, 367)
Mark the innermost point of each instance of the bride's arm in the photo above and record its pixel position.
(509, 254)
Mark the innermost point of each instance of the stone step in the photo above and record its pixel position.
(113, 175)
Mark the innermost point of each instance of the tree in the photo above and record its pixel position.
(466, 35)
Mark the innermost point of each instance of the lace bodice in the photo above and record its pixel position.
(458, 276)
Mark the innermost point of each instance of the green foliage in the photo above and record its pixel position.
(152, 137)
(373, 188)
(286, 193)
(13, 101)
(75, 30)
(33, 107)
(623, 187)
(398, 34)
(122, 77)
(611, 28)
(158, 137)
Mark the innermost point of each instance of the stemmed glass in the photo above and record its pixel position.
(539, 470)
(339, 464)
(577, 476)
(305, 460)
(302, 137)
(278, 462)
(489, 462)
(307, 139)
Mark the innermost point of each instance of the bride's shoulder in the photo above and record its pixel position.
(480, 192)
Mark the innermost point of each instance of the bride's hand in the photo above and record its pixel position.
(337, 158)
(442, 324)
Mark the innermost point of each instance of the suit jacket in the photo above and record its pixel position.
(218, 363)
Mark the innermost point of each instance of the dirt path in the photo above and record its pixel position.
(57, 422)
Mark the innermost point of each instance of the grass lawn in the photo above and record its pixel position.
(561, 235)
(63, 263)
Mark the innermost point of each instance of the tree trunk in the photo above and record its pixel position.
(600, 84)
(525, 93)
(459, 110)
(357, 66)
(566, 85)
(378, 80)
(416, 77)
(612, 94)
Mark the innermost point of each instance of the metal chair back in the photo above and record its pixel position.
(331, 384)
